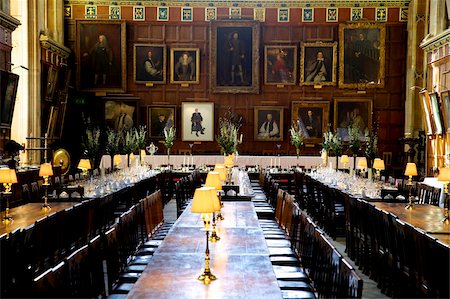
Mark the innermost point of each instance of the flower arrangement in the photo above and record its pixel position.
(91, 145)
(336, 144)
(130, 144)
(169, 137)
(140, 136)
(112, 142)
(371, 139)
(327, 141)
(354, 139)
(297, 138)
(229, 126)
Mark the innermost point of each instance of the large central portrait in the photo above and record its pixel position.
(234, 56)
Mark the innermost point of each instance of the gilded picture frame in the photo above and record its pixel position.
(445, 109)
(312, 118)
(185, 65)
(318, 64)
(160, 118)
(234, 56)
(352, 111)
(101, 55)
(268, 123)
(149, 63)
(425, 104)
(197, 121)
(362, 55)
(280, 65)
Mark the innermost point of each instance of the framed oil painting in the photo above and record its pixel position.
(268, 123)
(361, 55)
(185, 65)
(197, 121)
(445, 109)
(425, 104)
(101, 55)
(160, 118)
(352, 112)
(8, 91)
(311, 117)
(121, 115)
(234, 52)
(318, 63)
(149, 63)
(280, 65)
(436, 113)
(52, 77)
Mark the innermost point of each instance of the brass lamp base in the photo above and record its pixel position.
(409, 206)
(219, 216)
(7, 219)
(214, 237)
(445, 220)
(46, 207)
(207, 277)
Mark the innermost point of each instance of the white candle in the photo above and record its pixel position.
(270, 162)
(192, 161)
(240, 139)
(184, 160)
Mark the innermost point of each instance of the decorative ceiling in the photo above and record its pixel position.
(250, 3)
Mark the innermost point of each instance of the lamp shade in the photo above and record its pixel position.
(362, 163)
(213, 180)
(411, 169)
(204, 200)
(131, 157)
(378, 164)
(222, 172)
(8, 176)
(143, 153)
(46, 170)
(444, 175)
(117, 159)
(229, 161)
(344, 159)
(84, 164)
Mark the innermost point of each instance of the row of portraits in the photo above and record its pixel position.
(435, 111)
(234, 58)
(197, 119)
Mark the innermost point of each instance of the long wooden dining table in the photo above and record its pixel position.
(29, 213)
(240, 259)
(427, 218)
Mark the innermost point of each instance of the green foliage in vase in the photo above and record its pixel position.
(140, 136)
(91, 143)
(371, 144)
(169, 137)
(354, 139)
(327, 140)
(229, 126)
(130, 144)
(112, 142)
(297, 137)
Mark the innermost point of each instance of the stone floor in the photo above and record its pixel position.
(370, 289)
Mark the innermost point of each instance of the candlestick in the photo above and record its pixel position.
(184, 160)
(240, 139)
(270, 162)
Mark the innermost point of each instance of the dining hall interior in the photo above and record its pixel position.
(224, 149)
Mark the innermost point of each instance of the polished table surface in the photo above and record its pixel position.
(28, 214)
(240, 260)
(425, 217)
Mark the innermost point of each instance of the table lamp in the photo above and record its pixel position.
(84, 165)
(220, 168)
(117, 160)
(362, 164)
(213, 181)
(344, 161)
(229, 163)
(143, 154)
(444, 176)
(7, 177)
(204, 202)
(378, 165)
(410, 171)
(46, 171)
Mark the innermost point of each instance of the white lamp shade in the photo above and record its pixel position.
(213, 180)
(344, 159)
(8, 176)
(378, 164)
(143, 153)
(444, 174)
(117, 159)
(204, 200)
(46, 170)
(222, 172)
(411, 169)
(362, 163)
